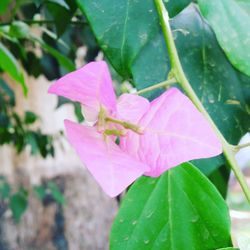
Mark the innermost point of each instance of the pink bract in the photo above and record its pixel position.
(90, 85)
(112, 168)
(174, 131)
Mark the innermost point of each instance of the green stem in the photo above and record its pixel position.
(241, 146)
(163, 84)
(178, 73)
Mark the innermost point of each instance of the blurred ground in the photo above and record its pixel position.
(82, 223)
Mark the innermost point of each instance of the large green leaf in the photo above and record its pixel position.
(179, 210)
(9, 64)
(230, 20)
(124, 27)
(174, 7)
(224, 92)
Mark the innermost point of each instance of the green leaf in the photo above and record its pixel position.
(131, 38)
(61, 15)
(32, 140)
(174, 7)
(228, 248)
(220, 178)
(120, 35)
(9, 64)
(77, 107)
(63, 60)
(115, 27)
(18, 204)
(19, 30)
(67, 64)
(40, 192)
(78, 112)
(4, 189)
(4, 5)
(61, 3)
(230, 21)
(30, 117)
(5, 90)
(56, 193)
(179, 210)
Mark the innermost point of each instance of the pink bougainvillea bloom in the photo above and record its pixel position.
(91, 85)
(154, 136)
(175, 132)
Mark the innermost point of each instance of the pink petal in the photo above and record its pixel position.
(175, 132)
(90, 85)
(113, 169)
(131, 107)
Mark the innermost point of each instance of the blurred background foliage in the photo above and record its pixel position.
(35, 40)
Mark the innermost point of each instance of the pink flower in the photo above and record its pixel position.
(153, 136)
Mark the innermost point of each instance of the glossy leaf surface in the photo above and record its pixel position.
(230, 21)
(179, 210)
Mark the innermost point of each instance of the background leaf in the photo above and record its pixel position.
(230, 21)
(67, 64)
(179, 210)
(174, 7)
(19, 29)
(18, 204)
(228, 248)
(4, 5)
(7, 93)
(29, 117)
(61, 3)
(60, 14)
(9, 64)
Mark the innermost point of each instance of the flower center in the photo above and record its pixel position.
(112, 126)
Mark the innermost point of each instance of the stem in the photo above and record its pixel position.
(163, 84)
(239, 147)
(180, 76)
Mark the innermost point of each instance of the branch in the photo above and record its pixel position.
(178, 73)
(241, 146)
(163, 84)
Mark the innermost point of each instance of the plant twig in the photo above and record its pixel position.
(163, 84)
(241, 146)
(178, 73)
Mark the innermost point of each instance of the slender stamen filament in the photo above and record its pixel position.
(115, 132)
(101, 119)
(137, 129)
